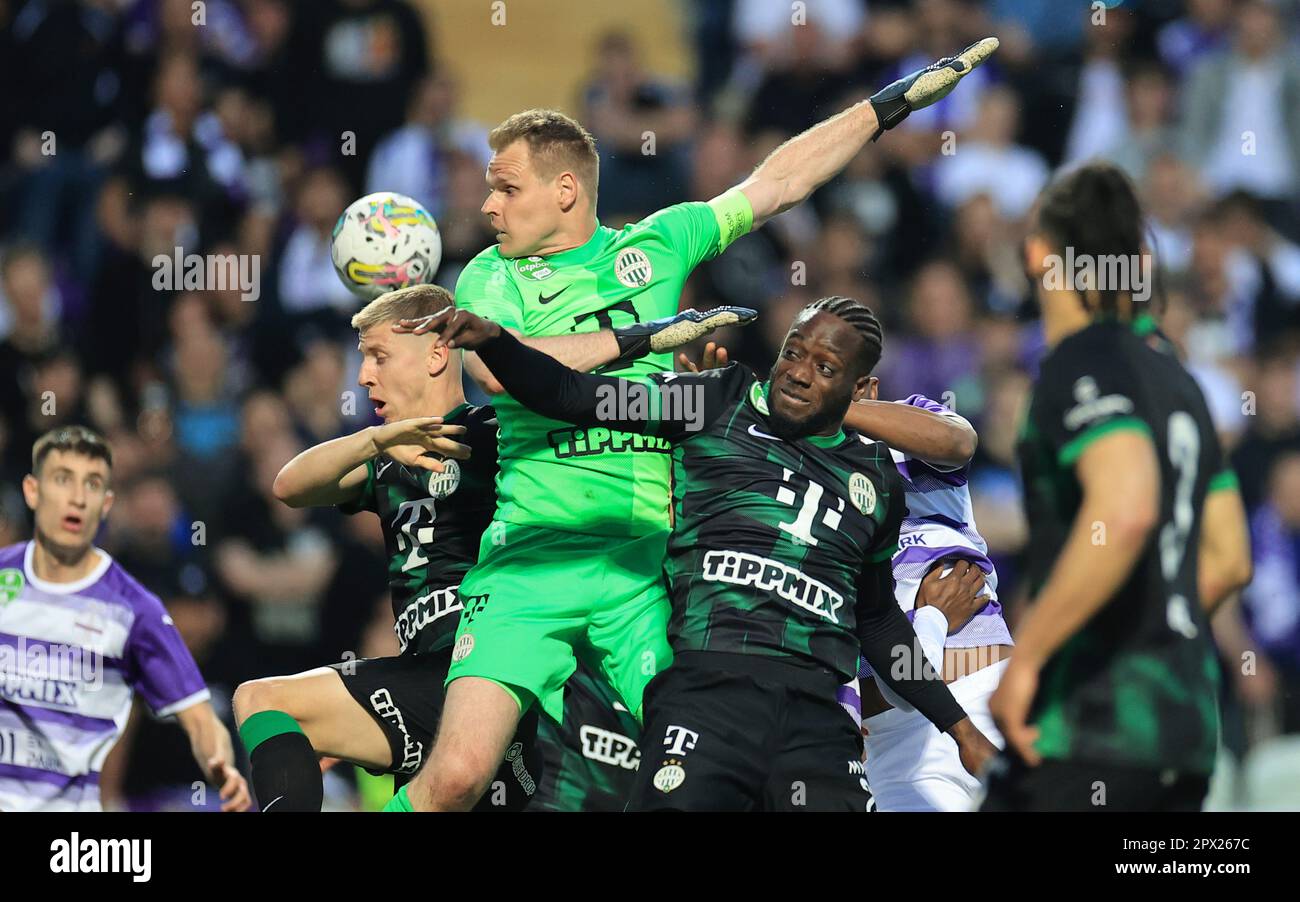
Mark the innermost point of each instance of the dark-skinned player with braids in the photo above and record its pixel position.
(778, 565)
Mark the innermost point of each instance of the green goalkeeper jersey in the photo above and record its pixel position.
(594, 480)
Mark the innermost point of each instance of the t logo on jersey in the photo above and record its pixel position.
(680, 740)
(473, 606)
(633, 269)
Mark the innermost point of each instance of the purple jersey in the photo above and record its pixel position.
(940, 523)
(71, 657)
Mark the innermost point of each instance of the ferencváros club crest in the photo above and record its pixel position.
(632, 267)
(443, 484)
(862, 493)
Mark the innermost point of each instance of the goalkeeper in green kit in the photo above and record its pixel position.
(572, 564)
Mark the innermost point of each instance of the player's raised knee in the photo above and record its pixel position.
(266, 694)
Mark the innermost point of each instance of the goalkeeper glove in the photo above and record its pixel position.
(926, 86)
(671, 332)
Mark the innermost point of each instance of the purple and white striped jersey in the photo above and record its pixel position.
(940, 523)
(71, 657)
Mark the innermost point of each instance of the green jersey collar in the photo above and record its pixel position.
(455, 411)
(583, 253)
(1144, 325)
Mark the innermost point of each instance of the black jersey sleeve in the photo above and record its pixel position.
(1084, 393)
(670, 405)
(883, 627)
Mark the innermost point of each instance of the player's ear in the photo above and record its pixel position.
(1037, 250)
(873, 389)
(30, 491)
(864, 388)
(437, 360)
(108, 505)
(566, 185)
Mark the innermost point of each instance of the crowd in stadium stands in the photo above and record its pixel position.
(225, 139)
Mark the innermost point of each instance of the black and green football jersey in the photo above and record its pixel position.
(779, 557)
(771, 537)
(1137, 684)
(432, 524)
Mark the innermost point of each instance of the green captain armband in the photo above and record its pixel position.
(734, 214)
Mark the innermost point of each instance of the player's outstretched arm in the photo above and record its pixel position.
(333, 472)
(1224, 565)
(545, 386)
(940, 439)
(590, 350)
(210, 743)
(582, 352)
(807, 161)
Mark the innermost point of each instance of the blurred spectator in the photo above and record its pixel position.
(67, 129)
(414, 160)
(465, 230)
(1271, 603)
(641, 126)
(767, 31)
(206, 417)
(1041, 22)
(988, 161)
(307, 281)
(29, 324)
(1274, 424)
(370, 55)
(181, 149)
(313, 390)
(1203, 30)
(1171, 195)
(279, 562)
(796, 87)
(988, 255)
(996, 496)
(940, 30)
(1242, 109)
(1100, 115)
(939, 355)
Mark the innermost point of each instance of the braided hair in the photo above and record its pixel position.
(863, 321)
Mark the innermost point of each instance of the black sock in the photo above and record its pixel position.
(285, 771)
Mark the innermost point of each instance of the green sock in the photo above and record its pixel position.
(399, 802)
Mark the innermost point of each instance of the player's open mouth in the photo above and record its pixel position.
(73, 523)
(380, 405)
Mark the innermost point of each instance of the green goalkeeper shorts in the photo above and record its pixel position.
(538, 597)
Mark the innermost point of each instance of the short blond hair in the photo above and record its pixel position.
(556, 142)
(412, 302)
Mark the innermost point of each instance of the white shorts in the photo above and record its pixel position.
(911, 766)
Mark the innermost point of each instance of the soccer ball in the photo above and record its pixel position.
(383, 242)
